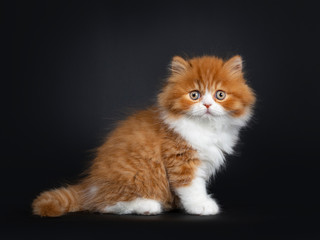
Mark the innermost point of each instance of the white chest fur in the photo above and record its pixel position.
(211, 139)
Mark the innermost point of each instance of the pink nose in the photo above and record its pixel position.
(207, 105)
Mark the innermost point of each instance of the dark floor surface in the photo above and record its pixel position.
(233, 223)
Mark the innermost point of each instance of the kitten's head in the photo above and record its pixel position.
(206, 87)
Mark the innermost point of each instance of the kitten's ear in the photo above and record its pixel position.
(178, 65)
(234, 65)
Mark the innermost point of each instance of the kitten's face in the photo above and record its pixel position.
(206, 87)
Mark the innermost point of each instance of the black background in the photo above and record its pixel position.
(72, 69)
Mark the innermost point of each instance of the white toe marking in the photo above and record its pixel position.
(138, 206)
(205, 207)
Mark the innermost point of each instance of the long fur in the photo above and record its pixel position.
(161, 158)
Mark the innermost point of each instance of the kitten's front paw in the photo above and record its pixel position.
(204, 207)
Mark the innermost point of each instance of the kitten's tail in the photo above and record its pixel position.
(57, 202)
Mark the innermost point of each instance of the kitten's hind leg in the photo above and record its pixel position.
(141, 206)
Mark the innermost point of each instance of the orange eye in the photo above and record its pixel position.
(220, 95)
(194, 95)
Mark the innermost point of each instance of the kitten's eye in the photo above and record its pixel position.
(194, 95)
(220, 95)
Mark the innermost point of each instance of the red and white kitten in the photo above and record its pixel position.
(162, 157)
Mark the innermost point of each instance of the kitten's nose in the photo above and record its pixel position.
(207, 105)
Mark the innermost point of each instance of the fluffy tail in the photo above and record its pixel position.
(57, 202)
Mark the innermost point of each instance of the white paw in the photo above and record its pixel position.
(148, 207)
(206, 206)
(140, 206)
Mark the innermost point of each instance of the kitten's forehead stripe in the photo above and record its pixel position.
(207, 71)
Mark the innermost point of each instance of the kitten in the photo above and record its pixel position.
(162, 157)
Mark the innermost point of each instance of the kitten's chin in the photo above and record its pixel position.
(207, 116)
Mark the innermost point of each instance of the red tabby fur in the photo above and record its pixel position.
(143, 157)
